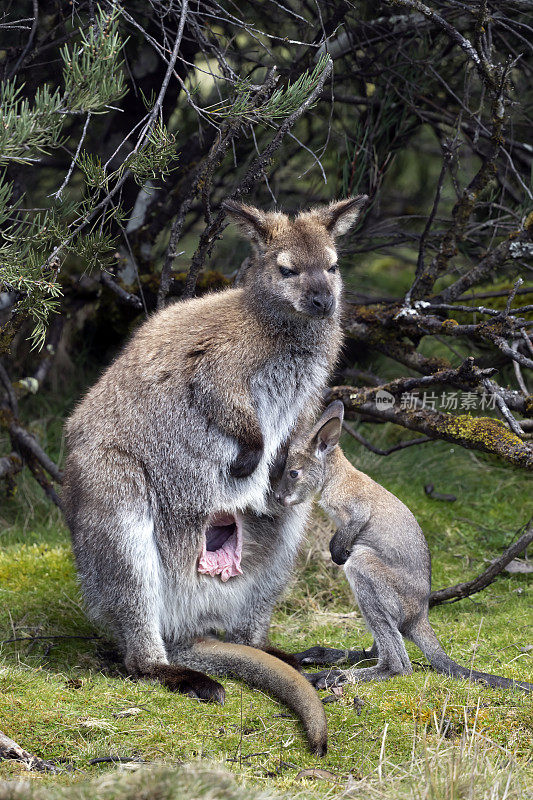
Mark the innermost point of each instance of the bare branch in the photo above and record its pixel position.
(127, 298)
(378, 450)
(10, 465)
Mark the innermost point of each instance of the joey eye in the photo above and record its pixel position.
(333, 268)
(286, 272)
(294, 473)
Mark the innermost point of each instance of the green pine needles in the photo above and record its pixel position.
(34, 242)
(281, 104)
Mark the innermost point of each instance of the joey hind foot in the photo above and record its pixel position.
(246, 461)
(327, 678)
(376, 673)
(190, 682)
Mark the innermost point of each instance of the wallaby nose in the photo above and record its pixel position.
(322, 302)
(281, 499)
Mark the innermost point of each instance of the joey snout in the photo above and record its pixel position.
(285, 500)
(340, 547)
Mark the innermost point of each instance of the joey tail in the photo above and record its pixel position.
(263, 671)
(423, 635)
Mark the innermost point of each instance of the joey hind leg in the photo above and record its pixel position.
(374, 586)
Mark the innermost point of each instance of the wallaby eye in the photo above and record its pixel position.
(294, 473)
(333, 268)
(286, 272)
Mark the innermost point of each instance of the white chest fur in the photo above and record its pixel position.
(280, 392)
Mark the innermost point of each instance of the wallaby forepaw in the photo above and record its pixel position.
(246, 462)
(326, 679)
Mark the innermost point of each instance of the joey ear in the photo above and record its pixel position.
(327, 431)
(340, 216)
(251, 221)
(327, 437)
(334, 410)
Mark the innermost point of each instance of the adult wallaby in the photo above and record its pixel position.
(167, 473)
(385, 555)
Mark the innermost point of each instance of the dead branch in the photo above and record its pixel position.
(475, 433)
(461, 590)
(25, 443)
(12, 750)
(10, 465)
(125, 297)
(515, 245)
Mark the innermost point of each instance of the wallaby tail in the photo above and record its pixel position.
(263, 671)
(425, 638)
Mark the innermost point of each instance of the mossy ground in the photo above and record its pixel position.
(63, 698)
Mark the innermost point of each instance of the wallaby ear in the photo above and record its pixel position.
(327, 431)
(251, 221)
(340, 216)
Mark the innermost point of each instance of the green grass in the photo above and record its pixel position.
(64, 698)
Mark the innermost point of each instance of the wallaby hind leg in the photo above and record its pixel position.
(384, 612)
(145, 656)
(124, 592)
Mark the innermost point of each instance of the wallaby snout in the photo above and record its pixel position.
(320, 302)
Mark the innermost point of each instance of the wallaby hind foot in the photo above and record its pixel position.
(287, 658)
(332, 678)
(329, 656)
(377, 673)
(190, 682)
(327, 678)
